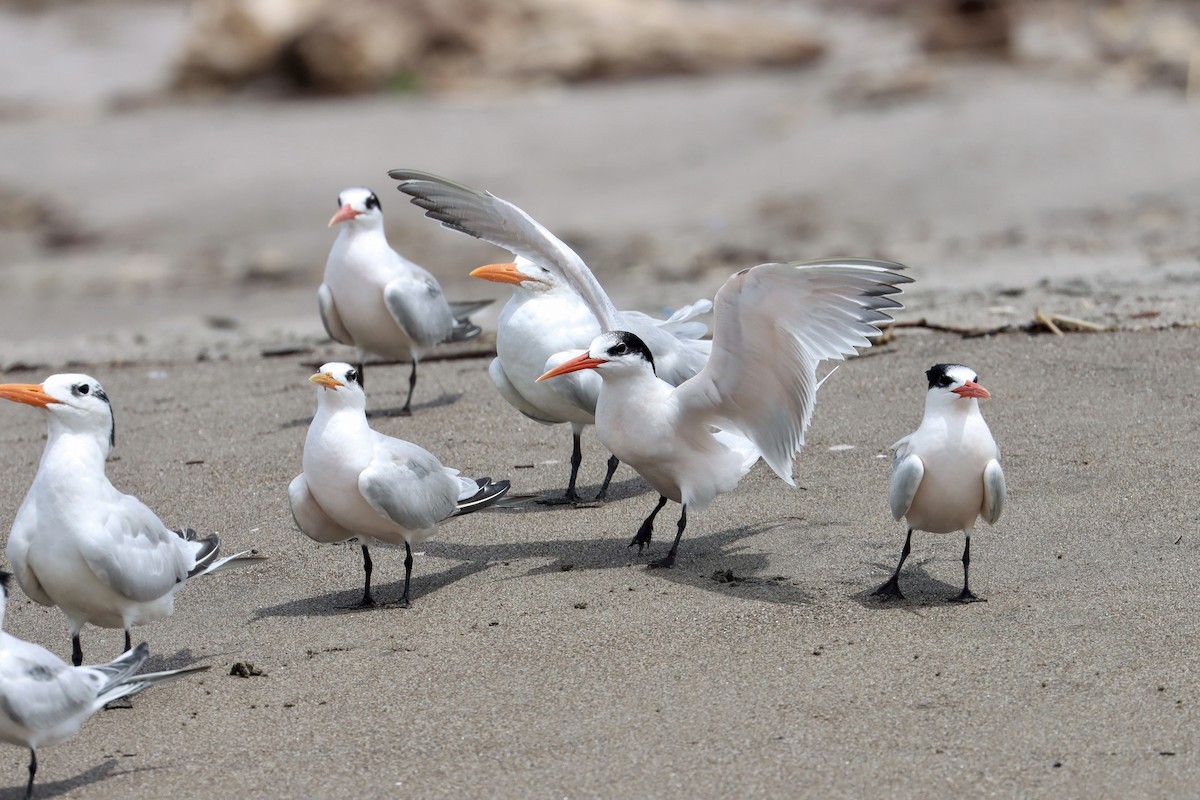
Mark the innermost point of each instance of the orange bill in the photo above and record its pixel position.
(583, 361)
(972, 389)
(500, 273)
(326, 380)
(31, 394)
(344, 213)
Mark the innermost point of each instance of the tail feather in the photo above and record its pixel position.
(463, 330)
(122, 667)
(489, 492)
(137, 683)
(246, 558)
(207, 550)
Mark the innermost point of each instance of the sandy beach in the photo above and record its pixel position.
(174, 255)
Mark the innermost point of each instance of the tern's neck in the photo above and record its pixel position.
(957, 408)
(74, 453)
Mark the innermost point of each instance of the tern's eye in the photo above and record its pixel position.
(619, 349)
(352, 376)
(372, 202)
(82, 388)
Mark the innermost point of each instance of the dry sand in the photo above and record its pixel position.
(541, 658)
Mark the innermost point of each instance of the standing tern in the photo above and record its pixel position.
(946, 474)
(359, 484)
(80, 544)
(43, 701)
(379, 302)
(754, 398)
(557, 309)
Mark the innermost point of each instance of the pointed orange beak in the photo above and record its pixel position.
(579, 362)
(31, 394)
(500, 273)
(972, 389)
(344, 213)
(326, 380)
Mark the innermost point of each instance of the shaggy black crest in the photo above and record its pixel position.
(939, 375)
(630, 343)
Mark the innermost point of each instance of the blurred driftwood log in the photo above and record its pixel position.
(360, 45)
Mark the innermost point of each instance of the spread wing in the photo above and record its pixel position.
(415, 300)
(330, 318)
(487, 217)
(310, 518)
(774, 324)
(907, 472)
(676, 342)
(408, 485)
(994, 492)
(131, 551)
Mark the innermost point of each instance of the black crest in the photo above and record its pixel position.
(628, 343)
(939, 375)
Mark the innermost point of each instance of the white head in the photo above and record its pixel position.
(340, 385)
(521, 273)
(359, 207)
(75, 402)
(611, 354)
(952, 385)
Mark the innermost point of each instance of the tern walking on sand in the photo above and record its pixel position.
(359, 484)
(557, 309)
(43, 701)
(379, 302)
(754, 398)
(80, 544)
(946, 474)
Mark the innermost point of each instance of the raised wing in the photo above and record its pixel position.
(994, 492)
(774, 324)
(330, 317)
(907, 472)
(310, 518)
(487, 217)
(134, 554)
(408, 485)
(676, 342)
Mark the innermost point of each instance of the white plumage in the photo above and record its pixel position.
(946, 473)
(81, 544)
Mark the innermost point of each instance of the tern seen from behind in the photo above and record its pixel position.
(43, 701)
(754, 398)
(946, 474)
(379, 302)
(81, 544)
(361, 485)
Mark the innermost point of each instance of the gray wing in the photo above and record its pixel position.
(512, 396)
(310, 518)
(994, 492)
(907, 472)
(134, 554)
(415, 300)
(408, 485)
(676, 342)
(487, 217)
(773, 325)
(330, 318)
(39, 691)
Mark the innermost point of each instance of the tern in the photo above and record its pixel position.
(557, 309)
(774, 324)
(946, 474)
(379, 302)
(79, 543)
(43, 701)
(361, 485)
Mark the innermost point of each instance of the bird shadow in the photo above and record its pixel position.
(346, 601)
(556, 501)
(184, 657)
(42, 789)
(442, 400)
(921, 590)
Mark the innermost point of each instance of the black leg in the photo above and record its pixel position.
(966, 596)
(76, 651)
(642, 537)
(128, 642)
(891, 589)
(668, 561)
(367, 601)
(32, 772)
(404, 602)
(613, 463)
(412, 384)
(576, 460)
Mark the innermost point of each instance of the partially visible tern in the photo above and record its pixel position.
(557, 309)
(379, 302)
(81, 544)
(361, 485)
(946, 474)
(754, 398)
(43, 701)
